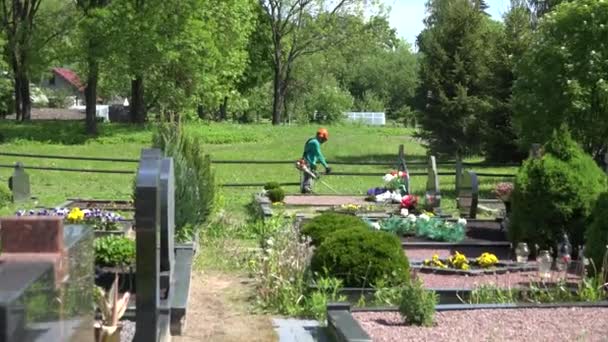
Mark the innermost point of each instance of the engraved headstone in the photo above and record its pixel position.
(468, 194)
(432, 185)
(167, 220)
(19, 183)
(147, 228)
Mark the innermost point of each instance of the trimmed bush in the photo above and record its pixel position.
(596, 236)
(271, 185)
(417, 304)
(5, 195)
(194, 180)
(323, 225)
(361, 257)
(276, 195)
(555, 192)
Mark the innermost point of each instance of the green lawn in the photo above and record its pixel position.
(223, 142)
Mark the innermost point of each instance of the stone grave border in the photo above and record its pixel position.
(343, 327)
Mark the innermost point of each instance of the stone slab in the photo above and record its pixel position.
(297, 330)
(33, 234)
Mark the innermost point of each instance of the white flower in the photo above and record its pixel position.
(424, 217)
(269, 242)
(411, 218)
(268, 250)
(396, 197)
(388, 178)
(376, 225)
(462, 221)
(404, 212)
(593, 52)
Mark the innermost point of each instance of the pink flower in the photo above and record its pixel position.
(409, 202)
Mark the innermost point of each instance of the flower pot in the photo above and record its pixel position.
(105, 333)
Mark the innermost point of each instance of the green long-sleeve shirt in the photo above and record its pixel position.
(312, 153)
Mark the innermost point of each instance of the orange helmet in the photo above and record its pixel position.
(322, 133)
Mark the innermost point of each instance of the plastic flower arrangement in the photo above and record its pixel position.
(396, 181)
(503, 191)
(486, 260)
(99, 219)
(409, 202)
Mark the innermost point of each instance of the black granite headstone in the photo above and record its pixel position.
(167, 214)
(147, 228)
(19, 184)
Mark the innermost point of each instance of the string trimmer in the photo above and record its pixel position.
(301, 165)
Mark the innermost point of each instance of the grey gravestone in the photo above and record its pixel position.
(147, 228)
(167, 223)
(19, 183)
(468, 194)
(432, 183)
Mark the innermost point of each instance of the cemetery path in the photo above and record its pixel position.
(217, 311)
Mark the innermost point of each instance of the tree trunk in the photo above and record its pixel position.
(224, 109)
(26, 101)
(17, 86)
(90, 94)
(138, 108)
(277, 101)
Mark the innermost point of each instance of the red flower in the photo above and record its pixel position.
(409, 202)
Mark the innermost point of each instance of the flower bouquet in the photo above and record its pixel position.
(503, 191)
(99, 219)
(395, 187)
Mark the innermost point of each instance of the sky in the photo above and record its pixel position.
(407, 15)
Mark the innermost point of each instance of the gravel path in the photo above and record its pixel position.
(562, 324)
(421, 253)
(503, 280)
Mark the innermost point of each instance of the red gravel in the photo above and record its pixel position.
(556, 324)
(505, 280)
(421, 253)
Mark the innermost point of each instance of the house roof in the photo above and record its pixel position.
(69, 76)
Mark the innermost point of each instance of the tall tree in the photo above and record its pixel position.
(95, 29)
(18, 18)
(562, 78)
(299, 28)
(454, 71)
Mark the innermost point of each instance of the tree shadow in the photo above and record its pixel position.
(66, 132)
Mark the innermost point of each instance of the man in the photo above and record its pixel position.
(312, 155)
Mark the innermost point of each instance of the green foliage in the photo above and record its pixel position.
(555, 193)
(280, 272)
(385, 295)
(114, 250)
(562, 77)
(271, 185)
(5, 195)
(431, 228)
(361, 257)
(323, 226)
(456, 47)
(417, 305)
(194, 180)
(276, 195)
(326, 292)
(596, 235)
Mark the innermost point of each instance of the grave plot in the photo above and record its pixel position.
(145, 267)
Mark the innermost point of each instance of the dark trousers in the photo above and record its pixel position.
(307, 182)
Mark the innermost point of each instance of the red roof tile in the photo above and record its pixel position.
(69, 76)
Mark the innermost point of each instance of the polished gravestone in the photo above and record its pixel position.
(152, 316)
(46, 281)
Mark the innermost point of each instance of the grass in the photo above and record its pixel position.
(348, 143)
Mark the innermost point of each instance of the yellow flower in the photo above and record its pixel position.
(487, 260)
(75, 215)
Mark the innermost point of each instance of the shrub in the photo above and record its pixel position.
(271, 185)
(596, 235)
(276, 195)
(194, 180)
(361, 257)
(5, 195)
(323, 225)
(555, 193)
(417, 304)
(114, 250)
